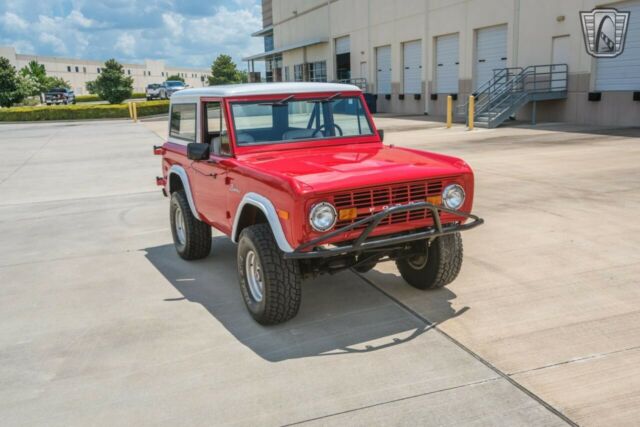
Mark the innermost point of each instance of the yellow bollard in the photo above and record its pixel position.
(135, 111)
(472, 100)
(130, 110)
(449, 111)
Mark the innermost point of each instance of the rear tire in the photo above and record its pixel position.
(191, 237)
(270, 284)
(438, 267)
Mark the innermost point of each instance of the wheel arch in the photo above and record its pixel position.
(247, 213)
(179, 180)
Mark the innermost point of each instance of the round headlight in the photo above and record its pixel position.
(453, 196)
(322, 216)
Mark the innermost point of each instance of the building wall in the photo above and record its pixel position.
(531, 26)
(152, 71)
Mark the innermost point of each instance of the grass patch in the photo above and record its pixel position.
(81, 112)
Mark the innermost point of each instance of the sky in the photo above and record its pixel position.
(184, 33)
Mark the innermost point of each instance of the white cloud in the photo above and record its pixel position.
(13, 22)
(57, 44)
(76, 17)
(174, 23)
(126, 44)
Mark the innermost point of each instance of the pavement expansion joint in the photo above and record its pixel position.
(471, 352)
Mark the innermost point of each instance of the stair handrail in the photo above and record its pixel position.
(496, 91)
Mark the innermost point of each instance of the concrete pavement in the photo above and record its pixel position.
(101, 323)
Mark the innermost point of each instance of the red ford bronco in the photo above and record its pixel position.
(298, 176)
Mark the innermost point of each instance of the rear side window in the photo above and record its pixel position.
(183, 122)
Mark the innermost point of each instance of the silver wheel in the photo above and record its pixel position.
(253, 270)
(180, 228)
(418, 262)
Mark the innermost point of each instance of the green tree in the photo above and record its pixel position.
(224, 71)
(53, 82)
(112, 85)
(28, 85)
(10, 90)
(35, 72)
(91, 87)
(176, 77)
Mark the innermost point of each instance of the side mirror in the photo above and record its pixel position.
(196, 151)
(381, 134)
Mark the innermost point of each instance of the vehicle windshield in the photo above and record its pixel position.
(153, 86)
(260, 122)
(58, 90)
(175, 83)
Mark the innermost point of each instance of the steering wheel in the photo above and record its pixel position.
(318, 130)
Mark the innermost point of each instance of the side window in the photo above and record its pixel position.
(183, 122)
(217, 129)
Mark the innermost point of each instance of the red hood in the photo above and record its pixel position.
(353, 166)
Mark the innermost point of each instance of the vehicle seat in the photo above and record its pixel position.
(298, 134)
(244, 137)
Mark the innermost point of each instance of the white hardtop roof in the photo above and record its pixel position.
(264, 89)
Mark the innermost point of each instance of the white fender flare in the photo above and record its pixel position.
(182, 174)
(270, 213)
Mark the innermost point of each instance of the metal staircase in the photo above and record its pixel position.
(511, 88)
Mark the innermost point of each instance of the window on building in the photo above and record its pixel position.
(98, 69)
(183, 122)
(286, 74)
(84, 70)
(77, 69)
(69, 68)
(297, 73)
(318, 71)
(217, 130)
(129, 72)
(162, 73)
(268, 43)
(343, 58)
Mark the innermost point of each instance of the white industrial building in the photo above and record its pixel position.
(79, 71)
(414, 53)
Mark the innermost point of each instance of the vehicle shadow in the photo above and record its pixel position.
(340, 313)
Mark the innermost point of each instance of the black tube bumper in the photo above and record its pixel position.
(361, 244)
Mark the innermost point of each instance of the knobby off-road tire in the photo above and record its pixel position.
(441, 266)
(269, 283)
(191, 237)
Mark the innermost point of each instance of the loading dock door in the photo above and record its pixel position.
(383, 70)
(447, 64)
(412, 75)
(343, 58)
(623, 72)
(491, 52)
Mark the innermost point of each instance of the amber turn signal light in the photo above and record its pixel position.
(346, 214)
(435, 200)
(283, 214)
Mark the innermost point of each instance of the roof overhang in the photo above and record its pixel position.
(286, 48)
(263, 32)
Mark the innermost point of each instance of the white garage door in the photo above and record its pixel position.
(412, 54)
(383, 69)
(491, 52)
(623, 72)
(343, 45)
(447, 64)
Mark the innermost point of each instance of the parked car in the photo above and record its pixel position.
(170, 87)
(60, 96)
(298, 176)
(153, 91)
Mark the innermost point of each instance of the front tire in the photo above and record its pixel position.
(191, 237)
(439, 266)
(270, 284)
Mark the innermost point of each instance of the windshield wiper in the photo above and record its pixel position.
(282, 102)
(327, 99)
